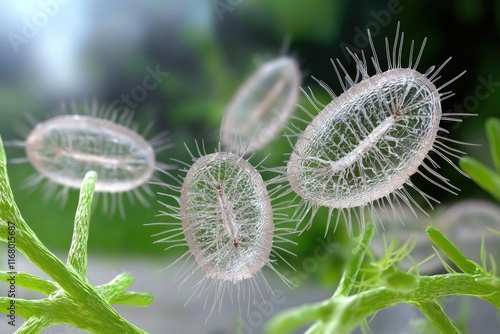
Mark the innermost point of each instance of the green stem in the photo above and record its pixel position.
(435, 313)
(75, 292)
(24, 308)
(132, 298)
(452, 252)
(83, 294)
(345, 313)
(317, 328)
(308, 313)
(298, 317)
(351, 273)
(114, 292)
(493, 132)
(33, 325)
(119, 284)
(77, 257)
(32, 282)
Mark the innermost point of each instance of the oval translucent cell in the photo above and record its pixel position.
(413, 229)
(65, 148)
(262, 106)
(227, 216)
(367, 142)
(467, 222)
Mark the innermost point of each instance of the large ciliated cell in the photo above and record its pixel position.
(262, 106)
(360, 150)
(470, 225)
(65, 148)
(367, 142)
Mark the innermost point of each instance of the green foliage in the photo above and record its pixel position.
(70, 289)
(485, 177)
(366, 286)
(364, 290)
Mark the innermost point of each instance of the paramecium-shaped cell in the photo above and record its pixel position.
(64, 148)
(360, 150)
(222, 212)
(262, 106)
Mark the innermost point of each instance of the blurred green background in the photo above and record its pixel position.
(93, 49)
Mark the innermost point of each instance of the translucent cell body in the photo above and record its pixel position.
(262, 106)
(412, 231)
(227, 217)
(64, 148)
(358, 152)
(367, 142)
(467, 223)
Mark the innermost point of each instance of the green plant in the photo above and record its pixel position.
(485, 177)
(71, 298)
(369, 286)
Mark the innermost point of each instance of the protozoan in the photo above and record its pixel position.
(66, 147)
(366, 143)
(470, 225)
(262, 106)
(466, 223)
(224, 216)
(227, 216)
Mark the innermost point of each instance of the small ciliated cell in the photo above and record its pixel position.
(470, 225)
(262, 106)
(411, 236)
(224, 205)
(64, 148)
(466, 223)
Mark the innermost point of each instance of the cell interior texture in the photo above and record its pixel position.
(65, 148)
(227, 216)
(367, 142)
(262, 106)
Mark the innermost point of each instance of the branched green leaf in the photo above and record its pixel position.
(32, 282)
(344, 312)
(71, 289)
